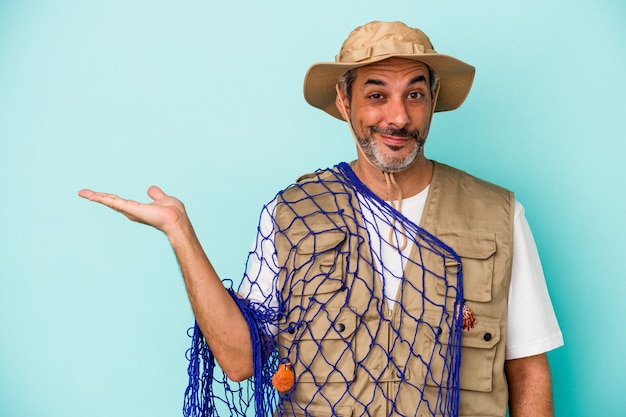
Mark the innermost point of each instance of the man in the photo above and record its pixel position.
(388, 286)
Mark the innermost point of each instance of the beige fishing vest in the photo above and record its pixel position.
(341, 356)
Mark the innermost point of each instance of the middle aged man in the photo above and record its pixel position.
(391, 286)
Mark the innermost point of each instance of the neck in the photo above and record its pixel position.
(411, 181)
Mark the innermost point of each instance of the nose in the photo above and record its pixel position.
(397, 113)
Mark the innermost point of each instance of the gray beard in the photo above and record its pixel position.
(390, 163)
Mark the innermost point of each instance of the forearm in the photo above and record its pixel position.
(530, 387)
(217, 314)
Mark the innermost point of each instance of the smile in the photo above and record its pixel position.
(395, 141)
(395, 138)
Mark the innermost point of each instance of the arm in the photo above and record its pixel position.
(530, 386)
(217, 314)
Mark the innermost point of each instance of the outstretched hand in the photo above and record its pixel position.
(217, 314)
(163, 213)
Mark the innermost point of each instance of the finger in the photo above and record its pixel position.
(85, 193)
(97, 196)
(133, 210)
(156, 193)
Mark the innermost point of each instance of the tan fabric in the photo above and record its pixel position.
(476, 219)
(472, 217)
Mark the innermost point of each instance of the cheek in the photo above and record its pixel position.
(420, 116)
(369, 115)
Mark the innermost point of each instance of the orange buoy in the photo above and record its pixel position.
(284, 378)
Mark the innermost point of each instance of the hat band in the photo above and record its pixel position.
(383, 48)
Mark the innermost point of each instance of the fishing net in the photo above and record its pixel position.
(360, 303)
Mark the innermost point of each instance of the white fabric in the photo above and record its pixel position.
(532, 327)
(386, 251)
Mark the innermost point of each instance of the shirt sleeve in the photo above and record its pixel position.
(259, 281)
(532, 327)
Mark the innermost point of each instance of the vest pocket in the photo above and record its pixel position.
(318, 264)
(478, 351)
(321, 350)
(477, 251)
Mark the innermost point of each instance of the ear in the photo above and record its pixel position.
(341, 101)
(434, 97)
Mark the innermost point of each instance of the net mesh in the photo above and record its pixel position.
(369, 327)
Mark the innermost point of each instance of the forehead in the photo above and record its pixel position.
(392, 68)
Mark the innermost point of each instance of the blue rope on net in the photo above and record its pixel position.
(319, 303)
(237, 398)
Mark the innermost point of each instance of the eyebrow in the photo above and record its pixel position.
(418, 79)
(375, 81)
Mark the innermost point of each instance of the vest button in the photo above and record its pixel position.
(487, 337)
(340, 327)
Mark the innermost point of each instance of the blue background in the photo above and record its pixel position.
(205, 100)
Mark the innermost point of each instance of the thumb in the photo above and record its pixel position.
(156, 193)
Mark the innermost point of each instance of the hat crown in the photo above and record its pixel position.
(376, 39)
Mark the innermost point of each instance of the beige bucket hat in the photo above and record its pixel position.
(375, 42)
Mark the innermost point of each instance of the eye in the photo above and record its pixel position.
(415, 95)
(376, 96)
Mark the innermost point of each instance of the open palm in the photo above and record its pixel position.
(163, 213)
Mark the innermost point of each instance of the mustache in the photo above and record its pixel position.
(400, 133)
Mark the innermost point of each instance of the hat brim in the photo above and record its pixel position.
(455, 77)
